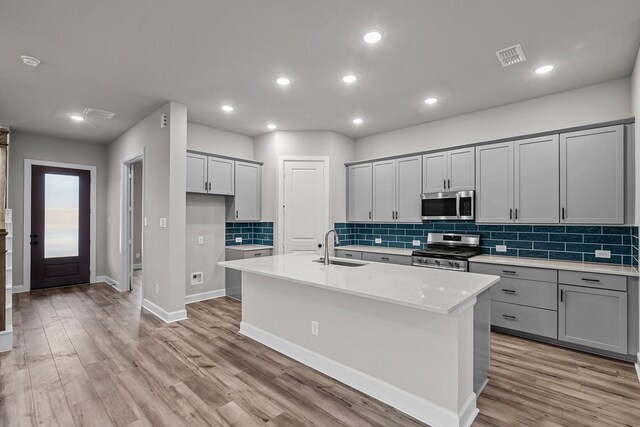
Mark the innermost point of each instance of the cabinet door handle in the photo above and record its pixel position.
(384, 258)
(561, 295)
(209, 186)
(258, 254)
(444, 183)
(516, 213)
(509, 291)
(507, 316)
(348, 255)
(591, 280)
(562, 213)
(508, 272)
(510, 213)
(369, 214)
(449, 184)
(236, 214)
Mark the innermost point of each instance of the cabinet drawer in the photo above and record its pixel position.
(341, 253)
(526, 292)
(593, 280)
(536, 321)
(390, 259)
(257, 253)
(528, 273)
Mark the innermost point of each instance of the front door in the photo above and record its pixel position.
(60, 226)
(305, 206)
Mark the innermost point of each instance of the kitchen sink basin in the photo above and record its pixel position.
(342, 263)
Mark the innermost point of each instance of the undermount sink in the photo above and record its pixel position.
(342, 263)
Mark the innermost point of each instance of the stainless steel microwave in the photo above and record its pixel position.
(449, 205)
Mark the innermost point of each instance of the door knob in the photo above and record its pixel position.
(319, 245)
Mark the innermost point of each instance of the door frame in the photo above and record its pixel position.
(26, 254)
(280, 209)
(126, 222)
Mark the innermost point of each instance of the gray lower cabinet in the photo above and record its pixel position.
(592, 176)
(233, 278)
(593, 317)
(521, 318)
(341, 253)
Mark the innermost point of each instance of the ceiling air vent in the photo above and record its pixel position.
(511, 55)
(98, 114)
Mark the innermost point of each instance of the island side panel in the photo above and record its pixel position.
(427, 355)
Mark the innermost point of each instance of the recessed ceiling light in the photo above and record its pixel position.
(271, 126)
(30, 61)
(357, 121)
(76, 117)
(372, 36)
(349, 78)
(544, 69)
(430, 101)
(283, 81)
(227, 108)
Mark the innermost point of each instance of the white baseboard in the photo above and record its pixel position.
(6, 340)
(402, 400)
(162, 314)
(109, 281)
(188, 299)
(637, 364)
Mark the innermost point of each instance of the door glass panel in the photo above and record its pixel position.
(61, 215)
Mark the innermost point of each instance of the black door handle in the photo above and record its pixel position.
(319, 245)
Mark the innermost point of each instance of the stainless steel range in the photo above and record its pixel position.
(447, 251)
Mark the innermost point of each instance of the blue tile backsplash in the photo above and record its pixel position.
(572, 243)
(252, 233)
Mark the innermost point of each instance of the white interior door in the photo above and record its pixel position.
(305, 205)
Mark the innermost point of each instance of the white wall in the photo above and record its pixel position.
(584, 106)
(27, 146)
(269, 147)
(206, 214)
(164, 197)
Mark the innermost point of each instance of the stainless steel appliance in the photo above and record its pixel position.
(447, 251)
(449, 205)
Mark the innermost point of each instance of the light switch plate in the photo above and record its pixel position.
(201, 240)
(501, 248)
(163, 222)
(238, 239)
(603, 254)
(378, 240)
(415, 242)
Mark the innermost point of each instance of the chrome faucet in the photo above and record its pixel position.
(326, 244)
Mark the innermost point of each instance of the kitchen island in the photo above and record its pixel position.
(404, 335)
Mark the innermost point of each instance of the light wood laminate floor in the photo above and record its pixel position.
(87, 355)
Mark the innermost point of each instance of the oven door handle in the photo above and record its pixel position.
(458, 205)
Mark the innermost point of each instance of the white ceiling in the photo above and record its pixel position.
(129, 57)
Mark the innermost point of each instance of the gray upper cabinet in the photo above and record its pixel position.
(384, 191)
(592, 176)
(460, 169)
(360, 192)
(494, 181)
(221, 174)
(593, 317)
(210, 175)
(408, 183)
(196, 173)
(537, 176)
(396, 190)
(434, 169)
(449, 171)
(246, 204)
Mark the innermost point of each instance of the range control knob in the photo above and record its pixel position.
(450, 263)
(456, 264)
(437, 262)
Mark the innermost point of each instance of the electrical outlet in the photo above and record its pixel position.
(196, 278)
(238, 239)
(603, 254)
(314, 328)
(415, 242)
(501, 248)
(163, 222)
(378, 240)
(157, 289)
(201, 240)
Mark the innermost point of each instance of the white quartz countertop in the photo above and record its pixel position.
(245, 248)
(585, 267)
(377, 249)
(438, 291)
